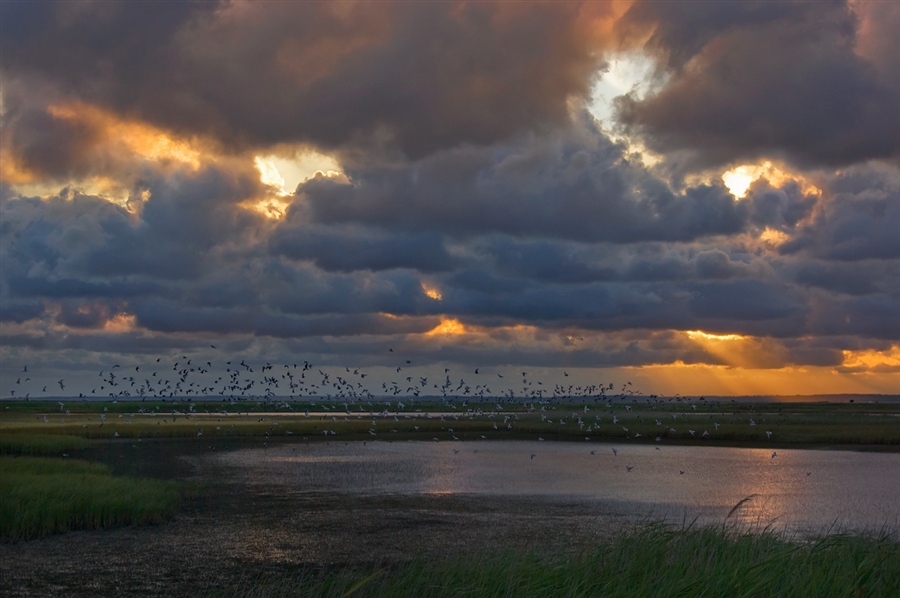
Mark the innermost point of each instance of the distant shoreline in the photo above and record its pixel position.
(811, 398)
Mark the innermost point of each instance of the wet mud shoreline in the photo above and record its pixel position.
(233, 531)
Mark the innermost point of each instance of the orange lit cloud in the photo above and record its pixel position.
(448, 326)
(871, 361)
(431, 292)
(121, 323)
(13, 171)
(132, 137)
(739, 178)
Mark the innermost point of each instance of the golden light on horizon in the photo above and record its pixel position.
(709, 379)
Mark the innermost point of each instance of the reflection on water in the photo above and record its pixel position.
(801, 490)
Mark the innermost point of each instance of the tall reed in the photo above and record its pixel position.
(652, 561)
(40, 496)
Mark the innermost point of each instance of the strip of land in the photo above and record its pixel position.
(50, 428)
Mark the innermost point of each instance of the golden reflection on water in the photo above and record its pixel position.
(786, 487)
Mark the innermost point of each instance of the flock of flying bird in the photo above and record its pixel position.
(192, 378)
(189, 378)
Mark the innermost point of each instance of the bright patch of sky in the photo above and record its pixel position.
(285, 173)
(628, 72)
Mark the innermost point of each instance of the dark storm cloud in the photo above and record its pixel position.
(751, 79)
(745, 300)
(163, 316)
(344, 249)
(780, 208)
(569, 262)
(860, 219)
(49, 146)
(418, 75)
(301, 290)
(87, 314)
(858, 278)
(279, 326)
(78, 254)
(574, 184)
(19, 310)
(876, 316)
(80, 240)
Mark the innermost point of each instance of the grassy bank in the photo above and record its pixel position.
(42, 496)
(638, 421)
(653, 560)
(37, 443)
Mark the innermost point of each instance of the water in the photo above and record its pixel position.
(805, 491)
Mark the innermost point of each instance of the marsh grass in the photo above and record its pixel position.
(31, 443)
(25, 429)
(652, 560)
(42, 496)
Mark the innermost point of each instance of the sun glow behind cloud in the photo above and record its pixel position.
(301, 164)
(735, 350)
(627, 73)
(739, 178)
(283, 175)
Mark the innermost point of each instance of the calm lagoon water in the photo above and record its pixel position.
(806, 491)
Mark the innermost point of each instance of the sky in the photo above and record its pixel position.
(696, 197)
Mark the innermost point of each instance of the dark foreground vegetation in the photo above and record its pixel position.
(43, 496)
(652, 560)
(46, 487)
